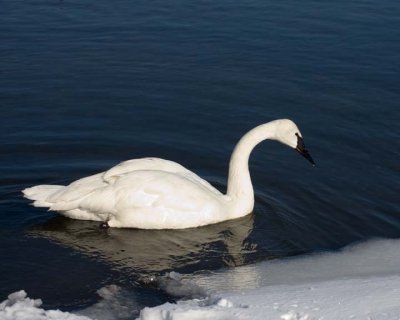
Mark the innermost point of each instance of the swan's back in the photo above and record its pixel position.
(155, 164)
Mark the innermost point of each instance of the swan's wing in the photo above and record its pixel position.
(154, 164)
(148, 198)
(78, 189)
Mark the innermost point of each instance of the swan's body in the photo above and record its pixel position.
(152, 193)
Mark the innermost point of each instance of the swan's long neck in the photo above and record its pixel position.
(240, 188)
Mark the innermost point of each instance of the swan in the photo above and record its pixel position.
(153, 193)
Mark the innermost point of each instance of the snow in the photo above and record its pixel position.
(358, 282)
(377, 298)
(19, 307)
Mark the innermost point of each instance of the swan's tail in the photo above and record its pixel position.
(40, 194)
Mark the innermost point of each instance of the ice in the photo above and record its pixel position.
(292, 315)
(19, 307)
(375, 298)
(116, 303)
(359, 282)
(175, 285)
(368, 259)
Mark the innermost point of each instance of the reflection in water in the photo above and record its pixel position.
(145, 252)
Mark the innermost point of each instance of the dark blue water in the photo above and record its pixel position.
(85, 85)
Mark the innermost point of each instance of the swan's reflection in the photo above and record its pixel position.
(154, 251)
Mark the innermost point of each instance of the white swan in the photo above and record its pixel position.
(153, 193)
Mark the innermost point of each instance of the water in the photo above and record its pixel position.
(84, 86)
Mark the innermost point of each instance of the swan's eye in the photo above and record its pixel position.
(296, 134)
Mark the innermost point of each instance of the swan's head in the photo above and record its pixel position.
(288, 133)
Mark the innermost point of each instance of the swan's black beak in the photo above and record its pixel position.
(301, 148)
